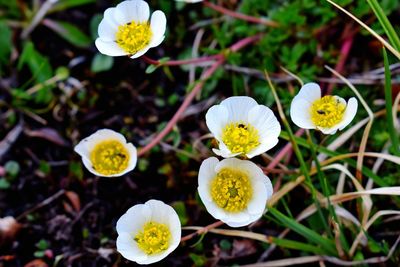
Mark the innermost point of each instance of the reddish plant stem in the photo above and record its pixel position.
(197, 88)
(188, 99)
(240, 16)
(284, 151)
(201, 231)
(181, 62)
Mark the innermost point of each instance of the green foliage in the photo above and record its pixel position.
(5, 45)
(12, 169)
(101, 63)
(70, 33)
(38, 64)
(66, 4)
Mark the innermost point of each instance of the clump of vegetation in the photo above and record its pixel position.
(146, 131)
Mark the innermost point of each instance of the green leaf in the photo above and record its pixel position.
(225, 244)
(39, 254)
(151, 68)
(180, 209)
(12, 168)
(94, 25)
(327, 245)
(389, 109)
(198, 260)
(75, 169)
(65, 4)
(69, 32)
(4, 184)
(5, 44)
(101, 63)
(385, 23)
(38, 64)
(42, 244)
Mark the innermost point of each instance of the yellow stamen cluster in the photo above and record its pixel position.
(134, 36)
(231, 190)
(154, 238)
(109, 157)
(240, 137)
(327, 111)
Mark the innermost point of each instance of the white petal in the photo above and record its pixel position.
(268, 127)
(331, 130)
(140, 52)
(217, 119)
(133, 220)
(260, 195)
(266, 145)
(224, 152)
(264, 120)
(158, 26)
(309, 92)
(350, 113)
(238, 219)
(132, 10)
(109, 48)
(300, 113)
(128, 248)
(238, 107)
(108, 26)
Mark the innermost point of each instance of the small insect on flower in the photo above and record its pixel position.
(126, 30)
(148, 232)
(106, 153)
(242, 127)
(328, 114)
(234, 191)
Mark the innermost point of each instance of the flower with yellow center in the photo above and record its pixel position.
(148, 232)
(106, 153)
(242, 127)
(328, 114)
(126, 29)
(234, 191)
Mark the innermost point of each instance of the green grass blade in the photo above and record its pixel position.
(389, 110)
(385, 23)
(291, 244)
(328, 246)
(366, 171)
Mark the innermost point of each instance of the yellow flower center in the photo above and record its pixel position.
(109, 157)
(327, 111)
(240, 137)
(133, 36)
(154, 238)
(231, 190)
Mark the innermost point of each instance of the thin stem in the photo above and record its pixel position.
(188, 99)
(37, 18)
(202, 230)
(389, 109)
(240, 16)
(325, 189)
(197, 88)
(181, 62)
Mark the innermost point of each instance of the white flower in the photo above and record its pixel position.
(148, 232)
(241, 126)
(327, 114)
(106, 153)
(234, 191)
(125, 29)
